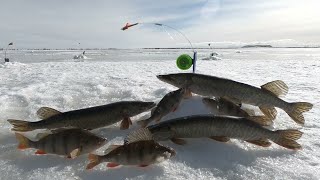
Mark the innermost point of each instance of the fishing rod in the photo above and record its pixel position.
(184, 61)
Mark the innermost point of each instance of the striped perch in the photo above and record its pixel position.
(67, 142)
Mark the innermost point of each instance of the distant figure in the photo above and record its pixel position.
(5, 52)
(80, 56)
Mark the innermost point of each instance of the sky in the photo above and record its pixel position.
(97, 23)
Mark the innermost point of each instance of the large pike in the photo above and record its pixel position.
(221, 128)
(141, 151)
(88, 118)
(168, 103)
(67, 142)
(266, 97)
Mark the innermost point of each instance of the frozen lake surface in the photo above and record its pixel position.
(52, 78)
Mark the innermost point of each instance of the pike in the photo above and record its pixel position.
(88, 118)
(221, 106)
(140, 150)
(266, 97)
(169, 103)
(222, 128)
(67, 142)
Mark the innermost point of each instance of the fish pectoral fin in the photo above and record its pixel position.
(40, 152)
(178, 141)
(260, 142)
(261, 120)
(227, 99)
(220, 138)
(125, 123)
(142, 134)
(75, 153)
(111, 148)
(23, 141)
(278, 88)
(112, 164)
(187, 94)
(46, 112)
(270, 112)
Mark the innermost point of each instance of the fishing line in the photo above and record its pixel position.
(184, 61)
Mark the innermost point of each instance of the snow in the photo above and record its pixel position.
(51, 78)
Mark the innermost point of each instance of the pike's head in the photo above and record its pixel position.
(164, 153)
(178, 94)
(145, 106)
(161, 132)
(179, 80)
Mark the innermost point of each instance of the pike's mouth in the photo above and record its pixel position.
(163, 77)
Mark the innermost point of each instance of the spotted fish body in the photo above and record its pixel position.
(64, 142)
(215, 127)
(88, 118)
(266, 97)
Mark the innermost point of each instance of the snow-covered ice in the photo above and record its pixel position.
(52, 78)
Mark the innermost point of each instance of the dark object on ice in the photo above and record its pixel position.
(84, 52)
(5, 52)
(257, 45)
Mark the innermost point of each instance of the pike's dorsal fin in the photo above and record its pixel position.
(142, 134)
(46, 112)
(278, 88)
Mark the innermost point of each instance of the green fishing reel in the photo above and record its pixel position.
(184, 61)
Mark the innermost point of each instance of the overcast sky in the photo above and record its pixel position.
(97, 23)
